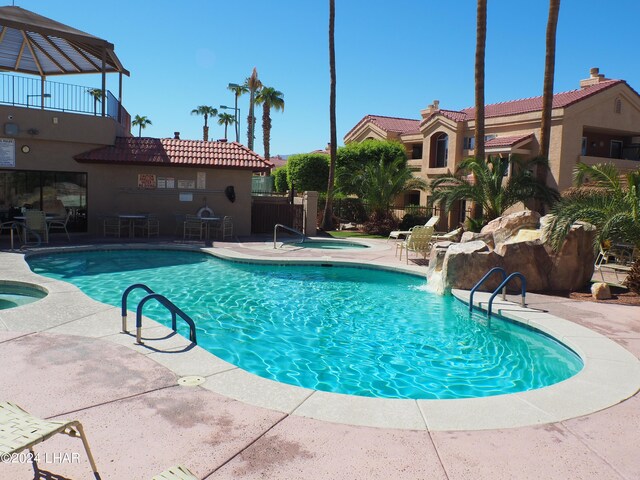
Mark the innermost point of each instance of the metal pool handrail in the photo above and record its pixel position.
(503, 285)
(164, 301)
(292, 230)
(483, 279)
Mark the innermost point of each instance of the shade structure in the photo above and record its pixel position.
(37, 45)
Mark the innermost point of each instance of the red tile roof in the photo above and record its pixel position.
(534, 104)
(176, 152)
(390, 124)
(506, 141)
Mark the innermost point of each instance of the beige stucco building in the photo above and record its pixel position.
(598, 122)
(63, 150)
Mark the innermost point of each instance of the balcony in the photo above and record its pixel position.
(622, 164)
(54, 96)
(415, 164)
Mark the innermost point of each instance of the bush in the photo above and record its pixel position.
(354, 156)
(411, 220)
(280, 184)
(632, 282)
(380, 224)
(308, 171)
(350, 210)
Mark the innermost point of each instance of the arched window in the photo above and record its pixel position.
(617, 106)
(439, 150)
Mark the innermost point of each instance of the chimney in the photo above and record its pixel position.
(434, 107)
(176, 135)
(595, 77)
(329, 147)
(223, 140)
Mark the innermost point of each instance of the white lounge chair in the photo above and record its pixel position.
(176, 473)
(396, 234)
(20, 431)
(419, 241)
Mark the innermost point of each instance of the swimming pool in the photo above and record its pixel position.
(16, 294)
(347, 330)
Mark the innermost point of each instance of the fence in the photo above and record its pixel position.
(33, 93)
(357, 211)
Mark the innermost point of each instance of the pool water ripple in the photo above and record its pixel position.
(347, 330)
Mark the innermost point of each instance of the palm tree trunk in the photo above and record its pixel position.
(327, 218)
(225, 130)
(266, 129)
(549, 70)
(251, 121)
(139, 130)
(481, 41)
(205, 133)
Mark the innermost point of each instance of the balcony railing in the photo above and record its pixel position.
(28, 92)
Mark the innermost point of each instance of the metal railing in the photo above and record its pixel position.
(33, 93)
(503, 287)
(484, 279)
(289, 229)
(164, 301)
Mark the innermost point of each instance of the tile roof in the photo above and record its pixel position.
(390, 124)
(506, 141)
(176, 152)
(534, 104)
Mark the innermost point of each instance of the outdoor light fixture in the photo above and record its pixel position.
(236, 116)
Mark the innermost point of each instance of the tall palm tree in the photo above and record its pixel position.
(253, 84)
(140, 122)
(206, 112)
(269, 98)
(226, 119)
(488, 188)
(549, 70)
(327, 217)
(237, 90)
(481, 41)
(96, 94)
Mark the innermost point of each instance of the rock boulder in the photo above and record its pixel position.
(508, 225)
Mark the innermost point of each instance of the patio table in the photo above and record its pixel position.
(132, 217)
(208, 221)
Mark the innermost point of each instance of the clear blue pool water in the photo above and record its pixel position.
(348, 330)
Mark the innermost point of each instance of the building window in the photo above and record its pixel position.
(490, 137)
(583, 148)
(617, 106)
(616, 149)
(416, 152)
(439, 150)
(469, 143)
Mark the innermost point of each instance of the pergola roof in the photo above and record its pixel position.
(37, 45)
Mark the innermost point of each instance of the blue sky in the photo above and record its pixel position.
(393, 58)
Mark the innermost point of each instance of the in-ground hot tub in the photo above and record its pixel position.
(16, 294)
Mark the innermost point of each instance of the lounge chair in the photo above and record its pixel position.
(419, 241)
(225, 229)
(20, 430)
(176, 473)
(447, 237)
(396, 234)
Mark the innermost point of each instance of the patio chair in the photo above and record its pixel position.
(59, 223)
(148, 227)
(115, 226)
(419, 241)
(396, 234)
(452, 236)
(176, 473)
(12, 225)
(193, 227)
(36, 223)
(225, 229)
(20, 430)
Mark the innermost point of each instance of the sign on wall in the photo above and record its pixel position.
(146, 180)
(189, 184)
(201, 180)
(7, 152)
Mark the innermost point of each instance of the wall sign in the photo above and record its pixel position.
(189, 184)
(146, 180)
(7, 152)
(201, 180)
(186, 197)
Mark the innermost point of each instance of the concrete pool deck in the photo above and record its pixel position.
(71, 361)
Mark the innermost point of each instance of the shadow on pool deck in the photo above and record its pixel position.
(139, 421)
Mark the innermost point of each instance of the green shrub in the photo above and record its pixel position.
(411, 220)
(308, 171)
(350, 210)
(280, 184)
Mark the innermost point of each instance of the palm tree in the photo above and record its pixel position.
(379, 183)
(487, 187)
(253, 84)
(206, 112)
(96, 93)
(269, 98)
(140, 122)
(226, 119)
(549, 68)
(603, 199)
(237, 90)
(547, 90)
(481, 41)
(327, 217)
